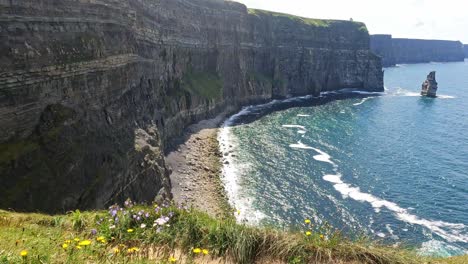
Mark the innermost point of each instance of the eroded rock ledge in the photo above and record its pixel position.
(91, 90)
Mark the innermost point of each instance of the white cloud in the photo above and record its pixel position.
(431, 19)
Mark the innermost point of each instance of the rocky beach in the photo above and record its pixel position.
(196, 169)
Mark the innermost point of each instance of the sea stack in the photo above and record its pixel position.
(429, 86)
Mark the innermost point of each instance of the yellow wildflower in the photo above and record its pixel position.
(76, 239)
(321, 236)
(308, 233)
(238, 212)
(23, 253)
(78, 247)
(307, 221)
(116, 250)
(133, 249)
(130, 230)
(172, 259)
(68, 241)
(196, 250)
(101, 239)
(205, 251)
(84, 243)
(64, 245)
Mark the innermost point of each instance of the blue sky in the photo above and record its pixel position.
(427, 19)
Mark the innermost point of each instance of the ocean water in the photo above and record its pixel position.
(391, 165)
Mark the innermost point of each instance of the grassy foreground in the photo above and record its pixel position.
(173, 234)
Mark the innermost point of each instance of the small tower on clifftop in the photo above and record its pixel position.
(429, 86)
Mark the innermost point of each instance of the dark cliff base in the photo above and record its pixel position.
(91, 91)
(465, 48)
(397, 50)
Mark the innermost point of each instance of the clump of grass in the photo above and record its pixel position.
(129, 234)
(205, 85)
(305, 20)
(78, 221)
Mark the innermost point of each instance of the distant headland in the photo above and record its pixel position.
(400, 50)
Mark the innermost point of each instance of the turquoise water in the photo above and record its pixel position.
(393, 165)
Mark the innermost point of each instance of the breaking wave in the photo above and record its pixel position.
(452, 232)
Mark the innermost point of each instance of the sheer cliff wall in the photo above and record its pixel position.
(399, 50)
(91, 90)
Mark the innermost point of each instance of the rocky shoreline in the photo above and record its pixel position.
(196, 169)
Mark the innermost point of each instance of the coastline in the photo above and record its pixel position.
(198, 159)
(196, 169)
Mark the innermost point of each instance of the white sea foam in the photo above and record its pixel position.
(440, 248)
(333, 178)
(403, 92)
(452, 232)
(322, 156)
(380, 234)
(295, 126)
(352, 90)
(362, 101)
(442, 96)
(301, 132)
(303, 115)
(300, 145)
(391, 232)
(231, 173)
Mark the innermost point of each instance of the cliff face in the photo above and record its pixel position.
(465, 47)
(90, 90)
(382, 45)
(398, 50)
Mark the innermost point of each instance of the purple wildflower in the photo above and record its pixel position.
(93, 232)
(113, 212)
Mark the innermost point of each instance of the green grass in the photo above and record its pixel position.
(43, 236)
(305, 20)
(205, 85)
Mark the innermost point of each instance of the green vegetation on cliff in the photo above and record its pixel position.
(304, 20)
(205, 85)
(170, 234)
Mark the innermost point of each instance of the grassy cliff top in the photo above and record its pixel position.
(174, 234)
(305, 20)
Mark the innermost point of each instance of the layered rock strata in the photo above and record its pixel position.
(398, 50)
(91, 90)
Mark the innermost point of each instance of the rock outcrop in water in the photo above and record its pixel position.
(465, 47)
(91, 90)
(429, 86)
(399, 50)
